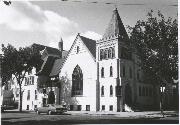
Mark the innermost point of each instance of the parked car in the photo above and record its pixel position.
(51, 108)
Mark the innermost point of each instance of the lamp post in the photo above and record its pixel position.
(162, 88)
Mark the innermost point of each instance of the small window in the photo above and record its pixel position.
(102, 72)
(111, 108)
(106, 53)
(79, 107)
(111, 90)
(102, 91)
(87, 107)
(103, 107)
(27, 107)
(111, 71)
(35, 107)
(77, 49)
(35, 94)
(28, 95)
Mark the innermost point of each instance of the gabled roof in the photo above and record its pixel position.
(90, 44)
(46, 66)
(115, 26)
(56, 67)
(49, 50)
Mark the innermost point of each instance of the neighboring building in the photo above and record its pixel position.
(32, 97)
(105, 75)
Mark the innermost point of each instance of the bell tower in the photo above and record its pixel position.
(108, 54)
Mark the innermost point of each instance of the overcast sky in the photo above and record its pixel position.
(45, 22)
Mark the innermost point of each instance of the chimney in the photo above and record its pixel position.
(60, 44)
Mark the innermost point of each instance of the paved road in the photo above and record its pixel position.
(30, 118)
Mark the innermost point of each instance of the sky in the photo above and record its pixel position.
(46, 22)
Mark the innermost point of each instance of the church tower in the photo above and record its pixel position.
(112, 54)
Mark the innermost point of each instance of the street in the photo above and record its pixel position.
(29, 118)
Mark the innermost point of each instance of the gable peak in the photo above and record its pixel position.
(115, 26)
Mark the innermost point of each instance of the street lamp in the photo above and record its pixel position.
(162, 88)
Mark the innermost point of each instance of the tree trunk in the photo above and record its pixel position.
(20, 102)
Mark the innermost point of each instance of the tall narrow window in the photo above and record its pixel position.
(110, 52)
(140, 93)
(102, 91)
(113, 52)
(28, 95)
(102, 72)
(111, 90)
(77, 51)
(111, 71)
(124, 71)
(130, 72)
(101, 54)
(77, 81)
(106, 53)
(35, 94)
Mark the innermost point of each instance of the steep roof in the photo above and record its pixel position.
(46, 66)
(49, 50)
(56, 67)
(90, 44)
(115, 26)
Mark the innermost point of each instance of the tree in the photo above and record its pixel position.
(18, 63)
(157, 42)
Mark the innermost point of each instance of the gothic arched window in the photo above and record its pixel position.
(111, 90)
(102, 91)
(113, 52)
(106, 54)
(111, 71)
(110, 52)
(102, 72)
(77, 81)
(101, 54)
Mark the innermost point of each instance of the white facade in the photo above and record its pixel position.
(110, 80)
(31, 98)
(85, 60)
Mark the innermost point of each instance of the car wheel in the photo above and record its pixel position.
(49, 112)
(37, 112)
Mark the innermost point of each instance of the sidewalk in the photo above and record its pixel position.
(145, 114)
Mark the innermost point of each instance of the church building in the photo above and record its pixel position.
(106, 75)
